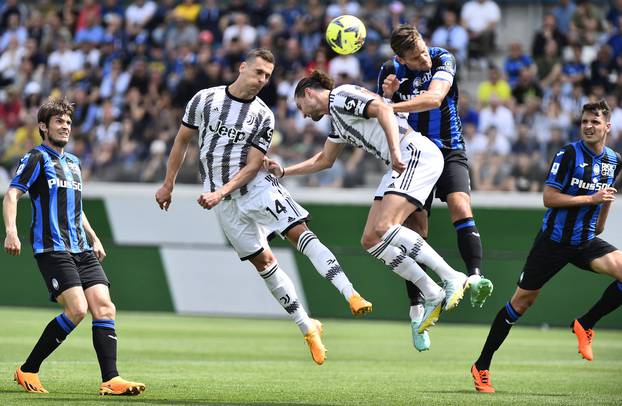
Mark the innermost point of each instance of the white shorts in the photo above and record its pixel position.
(249, 220)
(424, 165)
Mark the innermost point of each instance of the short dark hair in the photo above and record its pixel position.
(404, 38)
(317, 80)
(54, 106)
(597, 108)
(262, 53)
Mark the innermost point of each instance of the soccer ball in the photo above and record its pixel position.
(345, 34)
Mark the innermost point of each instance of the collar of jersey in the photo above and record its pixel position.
(237, 99)
(51, 151)
(590, 152)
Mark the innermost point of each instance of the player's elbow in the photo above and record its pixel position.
(436, 100)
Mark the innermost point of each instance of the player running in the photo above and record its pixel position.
(578, 193)
(235, 131)
(67, 251)
(421, 81)
(361, 118)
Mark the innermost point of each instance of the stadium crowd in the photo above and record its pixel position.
(131, 66)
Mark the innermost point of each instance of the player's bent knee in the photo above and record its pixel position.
(264, 260)
(369, 240)
(105, 311)
(76, 312)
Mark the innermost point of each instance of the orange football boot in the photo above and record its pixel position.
(119, 386)
(314, 339)
(29, 381)
(481, 379)
(358, 305)
(584, 338)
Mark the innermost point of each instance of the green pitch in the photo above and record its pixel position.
(208, 361)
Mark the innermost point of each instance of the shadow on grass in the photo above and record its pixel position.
(492, 395)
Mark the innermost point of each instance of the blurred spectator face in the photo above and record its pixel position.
(494, 101)
(469, 130)
(13, 21)
(523, 132)
(516, 49)
(550, 49)
(525, 76)
(549, 22)
(493, 74)
(449, 18)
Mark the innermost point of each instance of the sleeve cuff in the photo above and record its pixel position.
(259, 148)
(194, 127)
(366, 107)
(19, 186)
(554, 185)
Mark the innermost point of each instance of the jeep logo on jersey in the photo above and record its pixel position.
(64, 184)
(222, 130)
(581, 184)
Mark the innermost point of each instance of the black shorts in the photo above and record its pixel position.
(548, 257)
(64, 270)
(455, 176)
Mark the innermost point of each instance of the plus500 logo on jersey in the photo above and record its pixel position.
(587, 186)
(64, 184)
(222, 130)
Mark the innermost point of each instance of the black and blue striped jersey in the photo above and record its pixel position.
(576, 170)
(441, 125)
(54, 183)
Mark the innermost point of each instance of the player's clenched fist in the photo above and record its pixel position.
(209, 200)
(12, 245)
(273, 167)
(163, 197)
(604, 195)
(390, 85)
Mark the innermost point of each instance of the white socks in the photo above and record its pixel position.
(325, 262)
(405, 267)
(284, 292)
(419, 250)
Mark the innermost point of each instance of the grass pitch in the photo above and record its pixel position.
(209, 361)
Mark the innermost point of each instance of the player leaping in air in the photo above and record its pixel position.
(235, 131)
(363, 119)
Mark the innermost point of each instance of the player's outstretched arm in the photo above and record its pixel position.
(320, 161)
(427, 100)
(175, 160)
(254, 161)
(98, 248)
(12, 245)
(554, 198)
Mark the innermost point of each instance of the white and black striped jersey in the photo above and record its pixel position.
(228, 127)
(347, 105)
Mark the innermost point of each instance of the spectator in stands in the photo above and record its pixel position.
(15, 30)
(451, 36)
(602, 69)
(10, 62)
(526, 86)
(240, 29)
(466, 111)
(548, 66)
(526, 174)
(188, 10)
(563, 15)
(586, 19)
(548, 33)
(499, 116)
(480, 18)
(574, 71)
(495, 86)
(138, 15)
(516, 61)
(340, 7)
(10, 108)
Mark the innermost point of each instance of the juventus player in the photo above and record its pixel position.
(364, 120)
(235, 128)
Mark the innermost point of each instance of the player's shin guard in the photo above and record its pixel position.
(419, 250)
(469, 244)
(406, 267)
(283, 290)
(609, 301)
(105, 343)
(325, 262)
(53, 335)
(499, 330)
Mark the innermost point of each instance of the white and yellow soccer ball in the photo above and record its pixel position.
(346, 34)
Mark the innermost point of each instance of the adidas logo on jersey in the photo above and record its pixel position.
(232, 133)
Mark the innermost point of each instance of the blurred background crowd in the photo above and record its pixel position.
(131, 66)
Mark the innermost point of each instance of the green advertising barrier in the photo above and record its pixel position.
(139, 283)
(136, 274)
